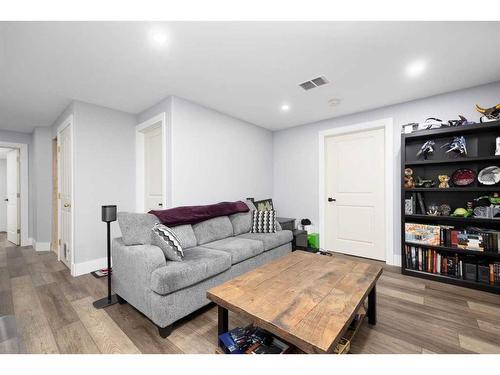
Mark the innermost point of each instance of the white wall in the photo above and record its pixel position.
(104, 173)
(295, 179)
(3, 195)
(215, 157)
(42, 187)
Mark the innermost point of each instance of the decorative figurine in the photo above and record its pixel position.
(432, 123)
(443, 181)
(469, 208)
(426, 149)
(445, 209)
(409, 183)
(433, 209)
(461, 212)
(489, 175)
(458, 145)
(424, 183)
(462, 121)
(489, 114)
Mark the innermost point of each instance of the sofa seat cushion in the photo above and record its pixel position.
(240, 249)
(197, 265)
(270, 240)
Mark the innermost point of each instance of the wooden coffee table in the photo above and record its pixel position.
(308, 300)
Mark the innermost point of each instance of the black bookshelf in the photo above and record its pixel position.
(480, 139)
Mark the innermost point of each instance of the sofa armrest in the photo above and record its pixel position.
(132, 269)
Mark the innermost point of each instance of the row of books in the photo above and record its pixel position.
(462, 267)
(476, 239)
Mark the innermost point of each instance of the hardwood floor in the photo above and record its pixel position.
(45, 310)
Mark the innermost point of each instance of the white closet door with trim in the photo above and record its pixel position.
(354, 187)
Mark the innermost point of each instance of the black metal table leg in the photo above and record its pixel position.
(223, 320)
(372, 306)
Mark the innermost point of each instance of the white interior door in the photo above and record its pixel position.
(153, 169)
(354, 201)
(13, 197)
(65, 196)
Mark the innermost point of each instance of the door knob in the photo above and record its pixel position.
(67, 205)
(6, 199)
(331, 199)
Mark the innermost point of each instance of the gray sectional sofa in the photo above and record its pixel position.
(215, 251)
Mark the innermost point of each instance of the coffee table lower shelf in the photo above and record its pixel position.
(344, 344)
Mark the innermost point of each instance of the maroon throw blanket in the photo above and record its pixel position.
(195, 214)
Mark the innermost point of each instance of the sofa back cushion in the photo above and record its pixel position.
(185, 235)
(213, 229)
(242, 221)
(136, 228)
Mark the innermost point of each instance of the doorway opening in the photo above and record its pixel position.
(14, 193)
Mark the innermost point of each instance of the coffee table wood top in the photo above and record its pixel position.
(306, 299)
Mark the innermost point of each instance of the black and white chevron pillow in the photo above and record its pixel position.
(264, 222)
(163, 237)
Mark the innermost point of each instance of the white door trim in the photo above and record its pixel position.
(24, 178)
(69, 122)
(139, 157)
(387, 125)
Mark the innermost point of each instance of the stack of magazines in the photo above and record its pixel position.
(251, 340)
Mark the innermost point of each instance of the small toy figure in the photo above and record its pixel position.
(445, 209)
(433, 210)
(462, 121)
(489, 114)
(458, 145)
(443, 181)
(461, 212)
(424, 183)
(426, 149)
(433, 123)
(409, 182)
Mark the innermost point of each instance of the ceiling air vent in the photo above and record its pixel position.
(316, 82)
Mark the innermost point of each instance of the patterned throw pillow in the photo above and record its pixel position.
(165, 238)
(264, 222)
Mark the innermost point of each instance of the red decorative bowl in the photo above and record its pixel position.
(463, 177)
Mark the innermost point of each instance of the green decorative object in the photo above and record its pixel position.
(313, 240)
(461, 212)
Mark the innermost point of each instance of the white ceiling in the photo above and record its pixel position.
(245, 69)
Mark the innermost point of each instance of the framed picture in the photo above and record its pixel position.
(264, 205)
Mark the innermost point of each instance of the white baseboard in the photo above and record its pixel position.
(40, 246)
(83, 268)
(396, 260)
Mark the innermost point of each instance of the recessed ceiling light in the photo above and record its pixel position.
(334, 102)
(285, 107)
(158, 37)
(416, 68)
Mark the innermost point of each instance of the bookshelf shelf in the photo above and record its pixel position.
(455, 160)
(480, 140)
(457, 250)
(481, 189)
(448, 219)
(452, 280)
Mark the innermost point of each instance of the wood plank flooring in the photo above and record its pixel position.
(53, 313)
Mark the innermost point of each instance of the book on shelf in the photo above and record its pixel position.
(475, 239)
(420, 258)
